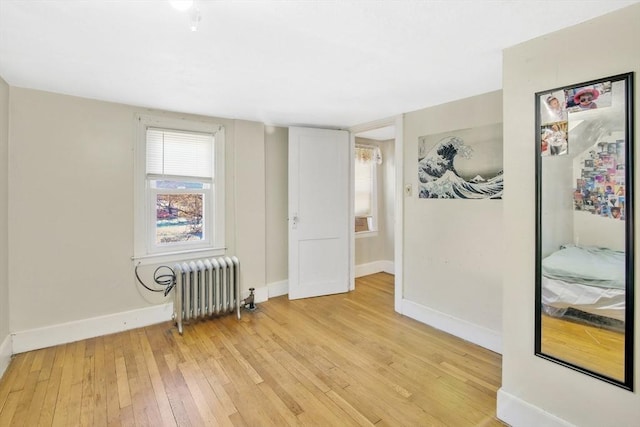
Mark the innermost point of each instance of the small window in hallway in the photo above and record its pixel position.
(367, 157)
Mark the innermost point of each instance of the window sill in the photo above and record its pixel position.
(178, 256)
(363, 234)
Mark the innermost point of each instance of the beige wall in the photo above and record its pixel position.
(380, 247)
(71, 207)
(4, 145)
(450, 246)
(611, 44)
(277, 231)
(249, 149)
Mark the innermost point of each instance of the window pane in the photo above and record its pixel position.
(179, 218)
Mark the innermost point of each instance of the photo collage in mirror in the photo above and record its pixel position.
(600, 188)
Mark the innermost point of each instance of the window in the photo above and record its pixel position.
(365, 203)
(179, 198)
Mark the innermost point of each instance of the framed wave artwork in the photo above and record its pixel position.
(461, 164)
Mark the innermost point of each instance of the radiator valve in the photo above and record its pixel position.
(249, 302)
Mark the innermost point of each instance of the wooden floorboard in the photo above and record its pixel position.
(340, 360)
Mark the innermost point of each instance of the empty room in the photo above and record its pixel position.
(318, 213)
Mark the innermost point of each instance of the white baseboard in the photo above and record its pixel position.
(518, 413)
(271, 290)
(389, 267)
(277, 289)
(374, 267)
(6, 351)
(468, 331)
(33, 339)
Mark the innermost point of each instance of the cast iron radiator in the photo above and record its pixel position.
(206, 288)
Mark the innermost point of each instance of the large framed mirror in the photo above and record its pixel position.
(584, 228)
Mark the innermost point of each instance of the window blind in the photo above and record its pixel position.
(363, 188)
(179, 153)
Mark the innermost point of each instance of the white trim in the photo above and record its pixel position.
(464, 329)
(352, 214)
(374, 267)
(278, 288)
(174, 257)
(365, 234)
(398, 231)
(516, 412)
(389, 267)
(376, 124)
(62, 333)
(5, 354)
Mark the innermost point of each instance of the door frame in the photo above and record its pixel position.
(398, 228)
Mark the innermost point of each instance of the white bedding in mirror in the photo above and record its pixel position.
(607, 302)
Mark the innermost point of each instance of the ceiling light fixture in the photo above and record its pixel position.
(181, 5)
(192, 8)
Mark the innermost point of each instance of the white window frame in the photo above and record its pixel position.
(146, 251)
(373, 231)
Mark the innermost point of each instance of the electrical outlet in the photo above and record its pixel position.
(407, 190)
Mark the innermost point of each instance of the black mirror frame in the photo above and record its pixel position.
(627, 383)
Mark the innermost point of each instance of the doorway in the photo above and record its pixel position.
(377, 201)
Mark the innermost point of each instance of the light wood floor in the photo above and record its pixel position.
(597, 349)
(330, 361)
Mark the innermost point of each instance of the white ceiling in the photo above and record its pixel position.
(316, 63)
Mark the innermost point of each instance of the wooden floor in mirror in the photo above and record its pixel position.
(594, 348)
(339, 360)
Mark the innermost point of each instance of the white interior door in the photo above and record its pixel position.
(318, 212)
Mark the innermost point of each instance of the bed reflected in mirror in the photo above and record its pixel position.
(583, 313)
(584, 275)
